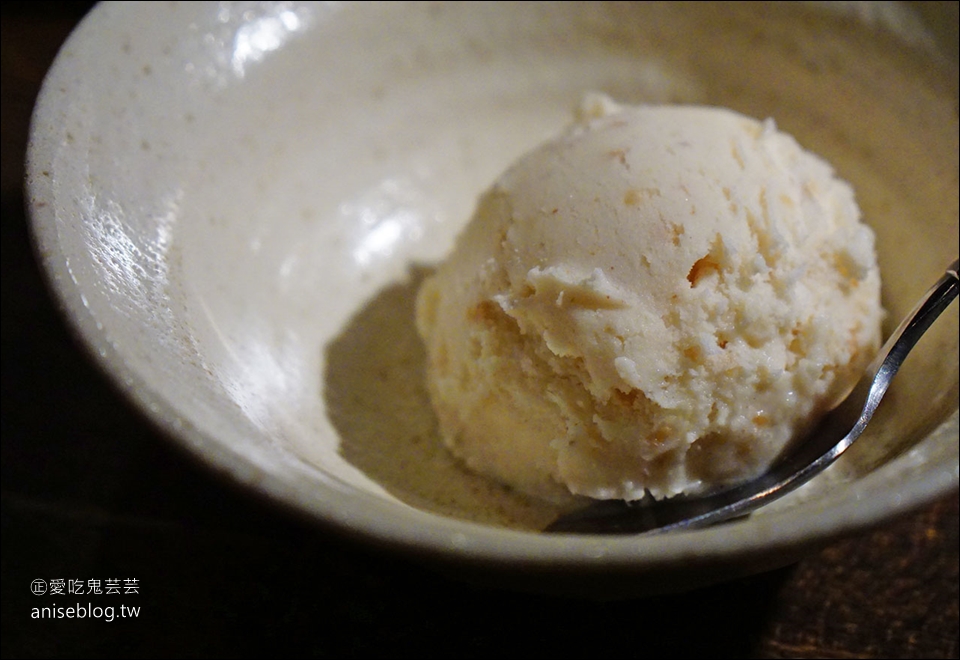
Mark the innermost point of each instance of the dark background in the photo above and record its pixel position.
(91, 490)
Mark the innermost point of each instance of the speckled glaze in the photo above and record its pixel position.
(235, 203)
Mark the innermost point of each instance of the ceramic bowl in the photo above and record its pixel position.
(235, 202)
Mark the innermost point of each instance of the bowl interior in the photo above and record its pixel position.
(236, 204)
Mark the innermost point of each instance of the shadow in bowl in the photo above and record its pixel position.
(375, 393)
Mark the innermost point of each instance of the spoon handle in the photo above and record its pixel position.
(839, 429)
(887, 362)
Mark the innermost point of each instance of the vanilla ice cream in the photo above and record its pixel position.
(658, 300)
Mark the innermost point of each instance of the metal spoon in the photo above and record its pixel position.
(835, 433)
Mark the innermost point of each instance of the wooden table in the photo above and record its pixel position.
(92, 491)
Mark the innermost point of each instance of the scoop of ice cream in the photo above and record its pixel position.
(660, 299)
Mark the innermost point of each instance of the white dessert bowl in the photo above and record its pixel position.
(234, 203)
